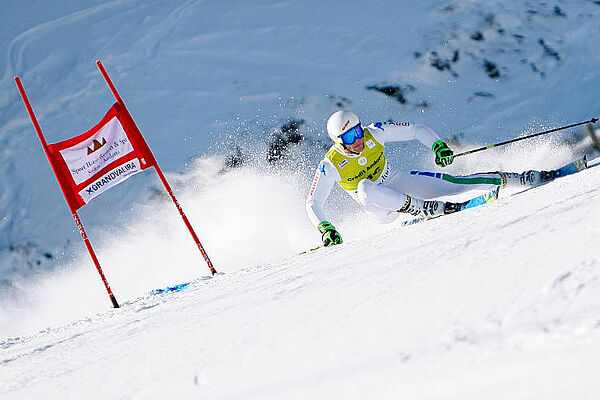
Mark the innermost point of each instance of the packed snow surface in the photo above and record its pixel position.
(495, 302)
(498, 302)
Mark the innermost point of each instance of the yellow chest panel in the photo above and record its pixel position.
(369, 165)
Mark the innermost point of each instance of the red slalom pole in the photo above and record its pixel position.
(185, 220)
(94, 258)
(78, 223)
(162, 178)
(112, 87)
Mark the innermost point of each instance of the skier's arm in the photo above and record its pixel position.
(393, 131)
(405, 131)
(325, 177)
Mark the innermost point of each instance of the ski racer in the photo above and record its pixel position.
(357, 162)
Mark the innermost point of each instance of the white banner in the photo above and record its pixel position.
(110, 179)
(85, 159)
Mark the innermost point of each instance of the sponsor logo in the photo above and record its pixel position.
(314, 184)
(364, 171)
(85, 159)
(373, 174)
(96, 145)
(430, 207)
(345, 125)
(111, 176)
(80, 226)
(362, 161)
(110, 179)
(343, 163)
(322, 169)
(385, 173)
(370, 143)
(399, 123)
(378, 125)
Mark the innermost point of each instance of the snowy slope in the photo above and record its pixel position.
(497, 302)
(203, 77)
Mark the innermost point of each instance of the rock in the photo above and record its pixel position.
(491, 69)
(391, 91)
(549, 51)
(477, 36)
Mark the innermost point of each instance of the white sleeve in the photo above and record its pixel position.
(403, 131)
(325, 177)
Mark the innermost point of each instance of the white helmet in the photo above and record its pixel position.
(340, 122)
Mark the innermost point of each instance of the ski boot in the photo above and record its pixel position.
(423, 208)
(452, 207)
(533, 178)
(527, 179)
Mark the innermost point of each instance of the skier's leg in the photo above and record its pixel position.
(380, 211)
(385, 202)
(429, 185)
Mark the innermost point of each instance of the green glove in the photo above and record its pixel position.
(330, 235)
(443, 155)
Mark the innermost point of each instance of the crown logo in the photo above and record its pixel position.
(96, 146)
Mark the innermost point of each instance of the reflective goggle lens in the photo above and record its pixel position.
(350, 136)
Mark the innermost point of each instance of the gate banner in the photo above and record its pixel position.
(106, 155)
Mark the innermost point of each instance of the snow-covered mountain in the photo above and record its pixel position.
(496, 302)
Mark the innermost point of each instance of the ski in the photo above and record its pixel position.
(567, 169)
(474, 202)
(182, 286)
(175, 288)
(571, 168)
(311, 250)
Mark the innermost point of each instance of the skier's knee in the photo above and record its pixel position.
(364, 190)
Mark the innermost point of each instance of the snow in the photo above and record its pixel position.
(430, 316)
(498, 301)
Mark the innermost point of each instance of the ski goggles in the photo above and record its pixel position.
(350, 136)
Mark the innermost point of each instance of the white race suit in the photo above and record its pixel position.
(378, 187)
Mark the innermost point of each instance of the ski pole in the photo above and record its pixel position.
(593, 121)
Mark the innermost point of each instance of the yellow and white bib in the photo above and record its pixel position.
(370, 164)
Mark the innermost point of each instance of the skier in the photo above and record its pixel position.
(357, 162)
